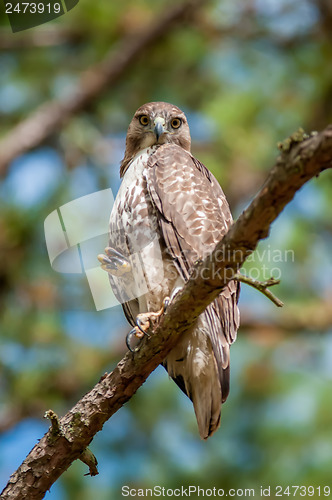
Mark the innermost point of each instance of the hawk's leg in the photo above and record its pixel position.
(114, 262)
(143, 322)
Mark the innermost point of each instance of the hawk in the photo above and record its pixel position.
(169, 212)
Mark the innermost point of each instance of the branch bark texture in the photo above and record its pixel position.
(299, 161)
(51, 116)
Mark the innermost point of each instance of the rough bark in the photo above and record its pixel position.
(51, 116)
(299, 161)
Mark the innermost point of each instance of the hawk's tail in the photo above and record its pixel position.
(193, 366)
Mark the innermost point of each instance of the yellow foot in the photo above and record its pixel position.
(143, 322)
(114, 262)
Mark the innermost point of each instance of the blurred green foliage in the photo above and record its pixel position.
(247, 74)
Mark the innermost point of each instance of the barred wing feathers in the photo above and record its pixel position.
(193, 216)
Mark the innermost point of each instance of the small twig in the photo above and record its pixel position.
(54, 419)
(262, 286)
(88, 458)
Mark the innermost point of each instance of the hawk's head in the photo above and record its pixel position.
(155, 123)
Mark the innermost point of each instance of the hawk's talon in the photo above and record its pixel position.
(143, 324)
(141, 327)
(175, 292)
(137, 332)
(111, 252)
(129, 337)
(166, 303)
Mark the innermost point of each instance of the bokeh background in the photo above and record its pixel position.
(247, 74)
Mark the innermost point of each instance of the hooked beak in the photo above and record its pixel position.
(159, 127)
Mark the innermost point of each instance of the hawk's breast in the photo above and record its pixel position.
(133, 221)
(135, 233)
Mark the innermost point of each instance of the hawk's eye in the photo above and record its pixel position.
(176, 122)
(144, 120)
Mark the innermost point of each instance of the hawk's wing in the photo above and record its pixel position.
(193, 216)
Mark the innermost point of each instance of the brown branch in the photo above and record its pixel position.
(261, 286)
(54, 419)
(52, 455)
(51, 116)
(314, 316)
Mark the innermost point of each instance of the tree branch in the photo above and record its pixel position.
(52, 455)
(51, 116)
(261, 286)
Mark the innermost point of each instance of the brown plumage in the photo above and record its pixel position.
(169, 212)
